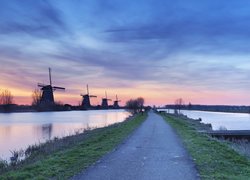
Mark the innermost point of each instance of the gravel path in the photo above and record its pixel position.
(153, 151)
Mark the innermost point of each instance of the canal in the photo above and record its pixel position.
(19, 130)
(219, 120)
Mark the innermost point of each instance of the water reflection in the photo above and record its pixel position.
(46, 131)
(18, 130)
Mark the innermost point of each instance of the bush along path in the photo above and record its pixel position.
(73, 153)
(214, 159)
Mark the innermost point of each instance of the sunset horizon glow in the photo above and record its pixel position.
(158, 50)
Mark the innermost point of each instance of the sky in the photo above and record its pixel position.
(158, 49)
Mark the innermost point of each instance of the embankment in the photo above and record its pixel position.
(214, 159)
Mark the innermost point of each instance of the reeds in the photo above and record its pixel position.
(3, 165)
(242, 146)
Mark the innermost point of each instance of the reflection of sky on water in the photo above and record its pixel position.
(220, 120)
(18, 130)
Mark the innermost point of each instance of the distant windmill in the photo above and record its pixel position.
(116, 105)
(86, 99)
(47, 91)
(105, 101)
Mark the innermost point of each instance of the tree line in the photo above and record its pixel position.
(7, 99)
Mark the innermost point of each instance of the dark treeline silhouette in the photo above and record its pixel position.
(6, 101)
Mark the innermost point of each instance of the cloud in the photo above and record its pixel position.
(38, 19)
(185, 44)
(219, 28)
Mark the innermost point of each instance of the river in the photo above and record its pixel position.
(19, 130)
(220, 120)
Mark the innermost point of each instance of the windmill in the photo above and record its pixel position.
(116, 105)
(47, 91)
(86, 99)
(105, 101)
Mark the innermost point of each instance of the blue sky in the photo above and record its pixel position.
(159, 49)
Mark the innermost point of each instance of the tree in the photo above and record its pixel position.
(140, 101)
(36, 97)
(6, 97)
(135, 105)
(131, 106)
(178, 104)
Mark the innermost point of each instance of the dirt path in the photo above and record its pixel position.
(153, 151)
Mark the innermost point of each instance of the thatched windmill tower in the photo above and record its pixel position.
(47, 91)
(86, 99)
(116, 105)
(105, 101)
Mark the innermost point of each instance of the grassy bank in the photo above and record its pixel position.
(214, 159)
(63, 158)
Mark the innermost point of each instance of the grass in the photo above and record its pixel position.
(79, 152)
(214, 159)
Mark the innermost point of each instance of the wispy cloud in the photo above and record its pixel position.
(183, 44)
(38, 19)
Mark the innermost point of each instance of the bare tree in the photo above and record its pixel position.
(135, 105)
(131, 106)
(140, 101)
(36, 97)
(178, 104)
(6, 97)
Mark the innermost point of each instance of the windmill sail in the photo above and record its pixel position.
(56, 87)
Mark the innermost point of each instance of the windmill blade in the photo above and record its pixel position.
(92, 96)
(87, 89)
(56, 87)
(50, 81)
(41, 85)
(117, 99)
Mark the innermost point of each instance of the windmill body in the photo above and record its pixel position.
(86, 101)
(47, 92)
(116, 105)
(47, 95)
(105, 101)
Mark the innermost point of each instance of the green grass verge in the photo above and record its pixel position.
(214, 159)
(71, 160)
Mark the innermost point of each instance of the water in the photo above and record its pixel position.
(19, 130)
(220, 120)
